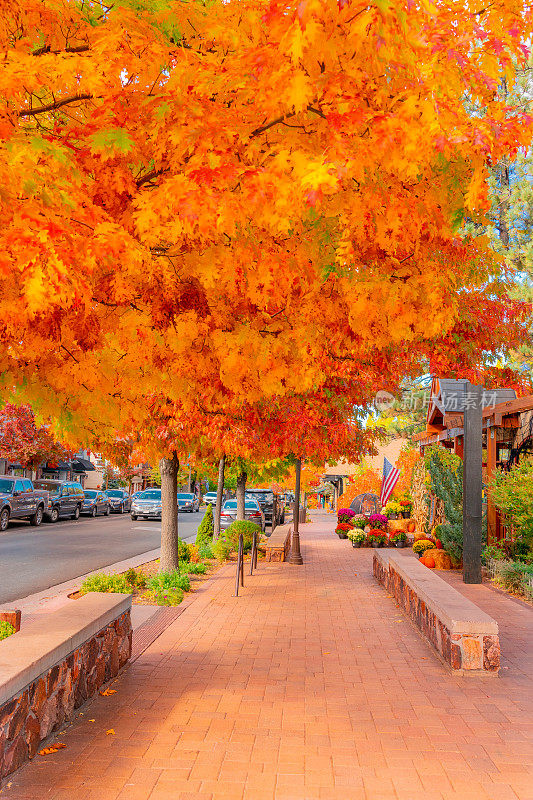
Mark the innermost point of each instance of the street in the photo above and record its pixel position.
(33, 559)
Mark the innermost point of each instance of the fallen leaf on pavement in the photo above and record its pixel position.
(107, 692)
(110, 732)
(92, 720)
(46, 751)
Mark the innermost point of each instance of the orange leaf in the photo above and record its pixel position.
(107, 692)
(46, 751)
(110, 732)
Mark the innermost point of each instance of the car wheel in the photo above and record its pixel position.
(93, 512)
(134, 517)
(54, 515)
(4, 520)
(37, 518)
(76, 514)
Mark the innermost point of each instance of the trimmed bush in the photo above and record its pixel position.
(247, 528)
(221, 549)
(206, 528)
(197, 569)
(6, 629)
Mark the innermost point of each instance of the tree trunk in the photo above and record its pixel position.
(168, 467)
(241, 488)
(220, 492)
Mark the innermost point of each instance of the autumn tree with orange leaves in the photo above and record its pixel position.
(248, 211)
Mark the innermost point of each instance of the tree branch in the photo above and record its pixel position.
(81, 48)
(31, 112)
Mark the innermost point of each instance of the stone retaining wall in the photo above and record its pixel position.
(51, 698)
(468, 644)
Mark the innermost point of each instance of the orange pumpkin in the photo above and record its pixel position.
(429, 561)
(411, 527)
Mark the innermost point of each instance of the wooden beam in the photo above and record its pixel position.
(491, 467)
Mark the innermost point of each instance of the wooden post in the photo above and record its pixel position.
(491, 466)
(472, 483)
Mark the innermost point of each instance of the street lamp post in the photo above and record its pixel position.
(296, 556)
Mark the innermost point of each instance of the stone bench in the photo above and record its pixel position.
(55, 664)
(278, 544)
(465, 638)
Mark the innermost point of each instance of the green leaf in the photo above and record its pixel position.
(110, 141)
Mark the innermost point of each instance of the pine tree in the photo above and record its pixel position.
(206, 529)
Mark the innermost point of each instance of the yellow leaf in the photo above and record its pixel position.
(110, 732)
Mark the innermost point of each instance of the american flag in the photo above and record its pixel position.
(390, 478)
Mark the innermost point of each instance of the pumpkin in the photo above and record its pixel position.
(440, 557)
(411, 527)
(429, 561)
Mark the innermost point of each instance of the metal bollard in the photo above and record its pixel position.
(240, 567)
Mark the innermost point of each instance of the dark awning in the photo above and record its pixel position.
(82, 465)
(52, 466)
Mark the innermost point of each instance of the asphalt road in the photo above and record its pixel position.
(33, 559)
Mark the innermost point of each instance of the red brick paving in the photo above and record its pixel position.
(309, 686)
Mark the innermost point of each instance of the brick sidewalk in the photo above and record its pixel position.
(309, 686)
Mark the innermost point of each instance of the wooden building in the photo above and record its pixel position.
(507, 431)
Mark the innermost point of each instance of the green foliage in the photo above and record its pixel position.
(196, 569)
(512, 492)
(222, 549)
(360, 524)
(515, 577)
(134, 578)
(6, 629)
(106, 583)
(206, 551)
(247, 528)
(164, 581)
(167, 597)
(357, 536)
(446, 483)
(206, 529)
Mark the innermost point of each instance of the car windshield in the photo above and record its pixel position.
(5, 486)
(53, 488)
(89, 493)
(185, 496)
(114, 493)
(153, 494)
(263, 496)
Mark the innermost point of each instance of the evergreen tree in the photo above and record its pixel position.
(204, 535)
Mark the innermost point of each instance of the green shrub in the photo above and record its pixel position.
(512, 492)
(183, 550)
(169, 580)
(446, 483)
(135, 579)
(206, 529)
(247, 528)
(105, 583)
(197, 569)
(6, 629)
(514, 576)
(222, 549)
(168, 597)
(206, 551)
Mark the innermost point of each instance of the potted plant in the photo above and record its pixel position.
(406, 507)
(361, 523)
(392, 510)
(345, 515)
(421, 545)
(357, 537)
(376, 537)
(343, 529)
(398, 539)
(378, 521)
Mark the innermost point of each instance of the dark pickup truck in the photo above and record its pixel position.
(273, 510)
(19, 500)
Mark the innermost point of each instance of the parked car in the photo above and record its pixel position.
(147, 504)
(120, 500)
(210, 498)
(187, 501)
(95, 502)
(274, 513)
(252, 511)
(19, 500)
(65, 499)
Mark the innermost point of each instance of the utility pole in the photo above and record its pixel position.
(472, 483)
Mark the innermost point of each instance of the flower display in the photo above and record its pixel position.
(378, 521)
(345, 514)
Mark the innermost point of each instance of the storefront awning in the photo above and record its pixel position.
(82, 465)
